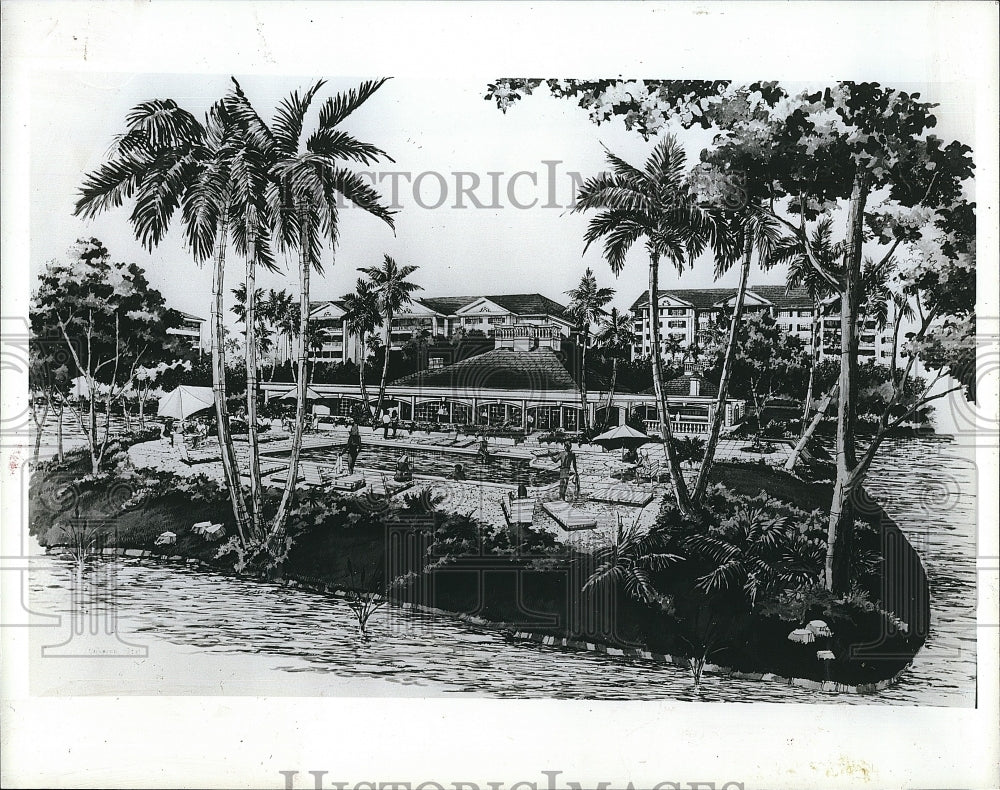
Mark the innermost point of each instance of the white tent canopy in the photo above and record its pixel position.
(185, 401)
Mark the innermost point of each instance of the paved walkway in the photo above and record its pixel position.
(482, 500)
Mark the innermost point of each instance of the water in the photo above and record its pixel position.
(205, 633)
(439, 463)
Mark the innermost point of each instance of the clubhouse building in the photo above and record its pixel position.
(502, 360)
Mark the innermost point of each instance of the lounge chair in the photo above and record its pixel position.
(342, 483)
(621, 494)
(569, 517)
(518, 511)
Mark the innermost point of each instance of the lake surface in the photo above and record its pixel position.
(181, 631)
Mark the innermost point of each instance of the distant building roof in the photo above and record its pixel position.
(680, 386)
(189, 317)
(314, 306)
(520, 304)
(503, 369)
(705, 298)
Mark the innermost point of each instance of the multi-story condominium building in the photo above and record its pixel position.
(689, 316)
(440, 318)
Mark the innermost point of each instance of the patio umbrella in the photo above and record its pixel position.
(185, 401)
(621, 437)
(311, 394)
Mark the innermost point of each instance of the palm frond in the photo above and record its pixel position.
(339, 107)
(289, 117)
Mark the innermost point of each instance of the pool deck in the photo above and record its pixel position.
(483, 499)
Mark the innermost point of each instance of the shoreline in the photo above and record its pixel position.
(506, 630)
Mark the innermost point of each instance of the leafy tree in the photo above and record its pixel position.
(394, 291)
(654, 204)
(860, 153)
(768, 362)
(109, 321)
(49, 386)
(586, 307)
(614, 338)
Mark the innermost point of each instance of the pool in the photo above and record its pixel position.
(439, 463)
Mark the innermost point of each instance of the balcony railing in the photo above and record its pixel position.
(526, 331)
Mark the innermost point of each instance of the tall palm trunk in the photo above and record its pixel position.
(583, 382)
(727, 368)
(361, 376)
(813, 361)
(662, 404)
(611, 389)
(385, 363)
(59, 431)
(229, 467)
(305, 266)
(810, 429)
(256, 495)
(840, 531)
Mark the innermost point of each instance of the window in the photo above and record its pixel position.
(498, 319)
(784, 314)
(805, 313)
(435, 362)
(677, 311)
(677, 324)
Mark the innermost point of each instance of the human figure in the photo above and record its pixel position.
(394, 421)
(459, 473)
(522, 490)
(484, 450)
(530, 422)
(353, 446)
(168, 429)
(386, 422)
(404, 469)
(567, 463)
(338, 470)
(631, 455)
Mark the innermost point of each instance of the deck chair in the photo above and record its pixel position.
(518, 511)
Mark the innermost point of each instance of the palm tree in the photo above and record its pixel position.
(754, 552)
(277, 312)
(308, 179)
(361, 314)
(585, 307)
(736, 235)
(653, 204)
(629, 560)
(394, 291)
(802, 274)
(614, 337)
(672, 345)
(167, 160)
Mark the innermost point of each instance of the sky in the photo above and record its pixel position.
(434, 129)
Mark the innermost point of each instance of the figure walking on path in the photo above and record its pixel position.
(353, 446)
(394, 421)
(386, 422)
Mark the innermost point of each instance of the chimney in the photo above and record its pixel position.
(688, 367)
